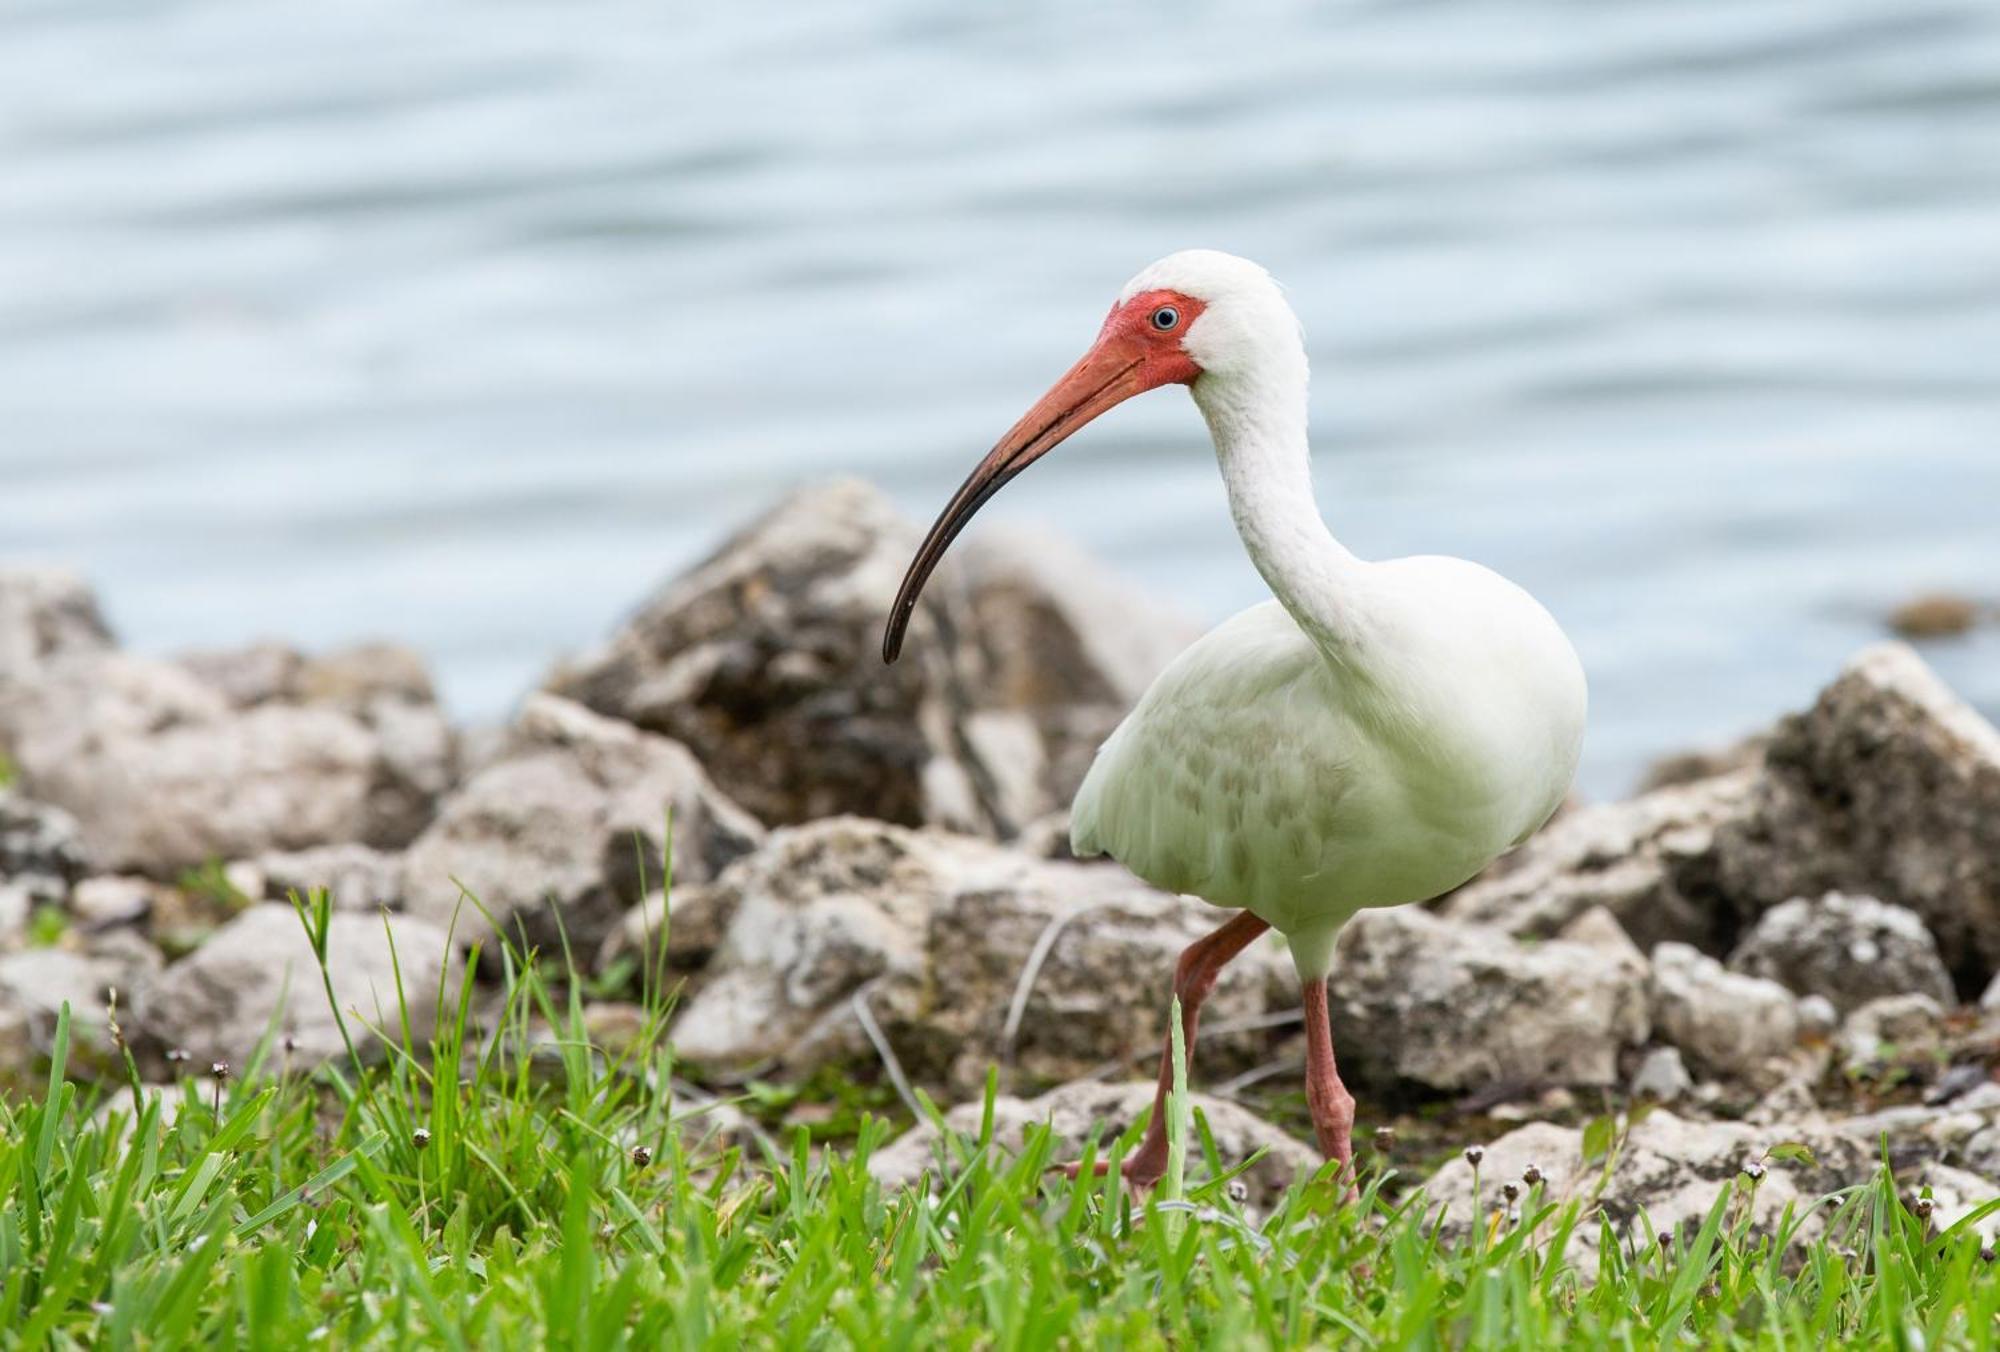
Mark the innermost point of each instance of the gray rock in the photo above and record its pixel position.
(1662, 1076)
(765, 660)
(164, 772)
(99, 903)
(1955, 1195)
(933, 932)
(120, 1108)
(1650, 862)
(35, 983)
(1791, 1100)
(1597, 928)
(1671, 1168)
(1418, 998)
(684, 934)
(1065, 642)
(1072, 1112)
(1818, 1016)
(259, 673)
(570, 816)
(40, 853)
(1981, 1152)
(19, 1039)
(258, 972)
(354, 677)
(17, 907)
(1691, 767)
(46, 613)
(1726, 1023)
(1849, 949)
(356, 877)
(1890, 1023)
(1890, 786)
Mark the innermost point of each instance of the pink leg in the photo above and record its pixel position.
(1332, 1106)
(1194, 977)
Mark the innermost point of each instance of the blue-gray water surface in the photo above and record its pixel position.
(464, 324)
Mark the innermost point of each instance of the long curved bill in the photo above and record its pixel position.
(1110, 373)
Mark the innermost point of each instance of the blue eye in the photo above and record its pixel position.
(1165, 318)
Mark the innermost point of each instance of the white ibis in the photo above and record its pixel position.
(1373, 736)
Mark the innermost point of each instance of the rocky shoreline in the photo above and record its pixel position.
(1794, 942)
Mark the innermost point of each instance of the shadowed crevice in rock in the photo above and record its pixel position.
(765, 661)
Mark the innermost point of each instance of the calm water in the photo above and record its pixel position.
(465, 323)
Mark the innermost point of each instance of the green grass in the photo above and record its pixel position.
(529, 1199)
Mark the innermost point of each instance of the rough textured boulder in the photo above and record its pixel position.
(932, 933)
(1727, 1023)
(569, 815)
(41, 856)
(107, 902)
(35, 983)
(356, 877)
(168, 765)
(1669, 1167)
(1890, 786)
(1849, 949)
(1892, 1023)
(1958, 1130)
(1418, 998)
(218, 1002)
(765, 660)
(1073, 1110)
(46, 613)
(1662, 1076)
(1650, 862)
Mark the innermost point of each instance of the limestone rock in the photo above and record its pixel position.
(36, 982)
(1065, 642)
(1981, 1152)
(218, 1001)
(1889, 786)
(1073, 1110)
(1890, 1023)
(1691, 767)
(689, 926)
(357, 877)
(1849, 949)
(1449, 1006)
(571, 814)
(1662, 1076)
(46, 613)
(932, 932)
(1726, 1023)
(99, 903)
(1818, 1016)
(1671, 1168)
(165, 772)
(765, 660)
(1650, 862)
(17, 907)
(40, 853)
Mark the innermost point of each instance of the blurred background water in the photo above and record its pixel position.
(463, 324)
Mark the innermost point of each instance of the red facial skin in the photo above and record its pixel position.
(1132, 354)
(1130, 327)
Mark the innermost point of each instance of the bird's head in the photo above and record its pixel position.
(1199, 318)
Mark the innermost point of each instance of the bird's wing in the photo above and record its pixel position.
(1226, 781)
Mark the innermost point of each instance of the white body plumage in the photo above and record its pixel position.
(1374, 736)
